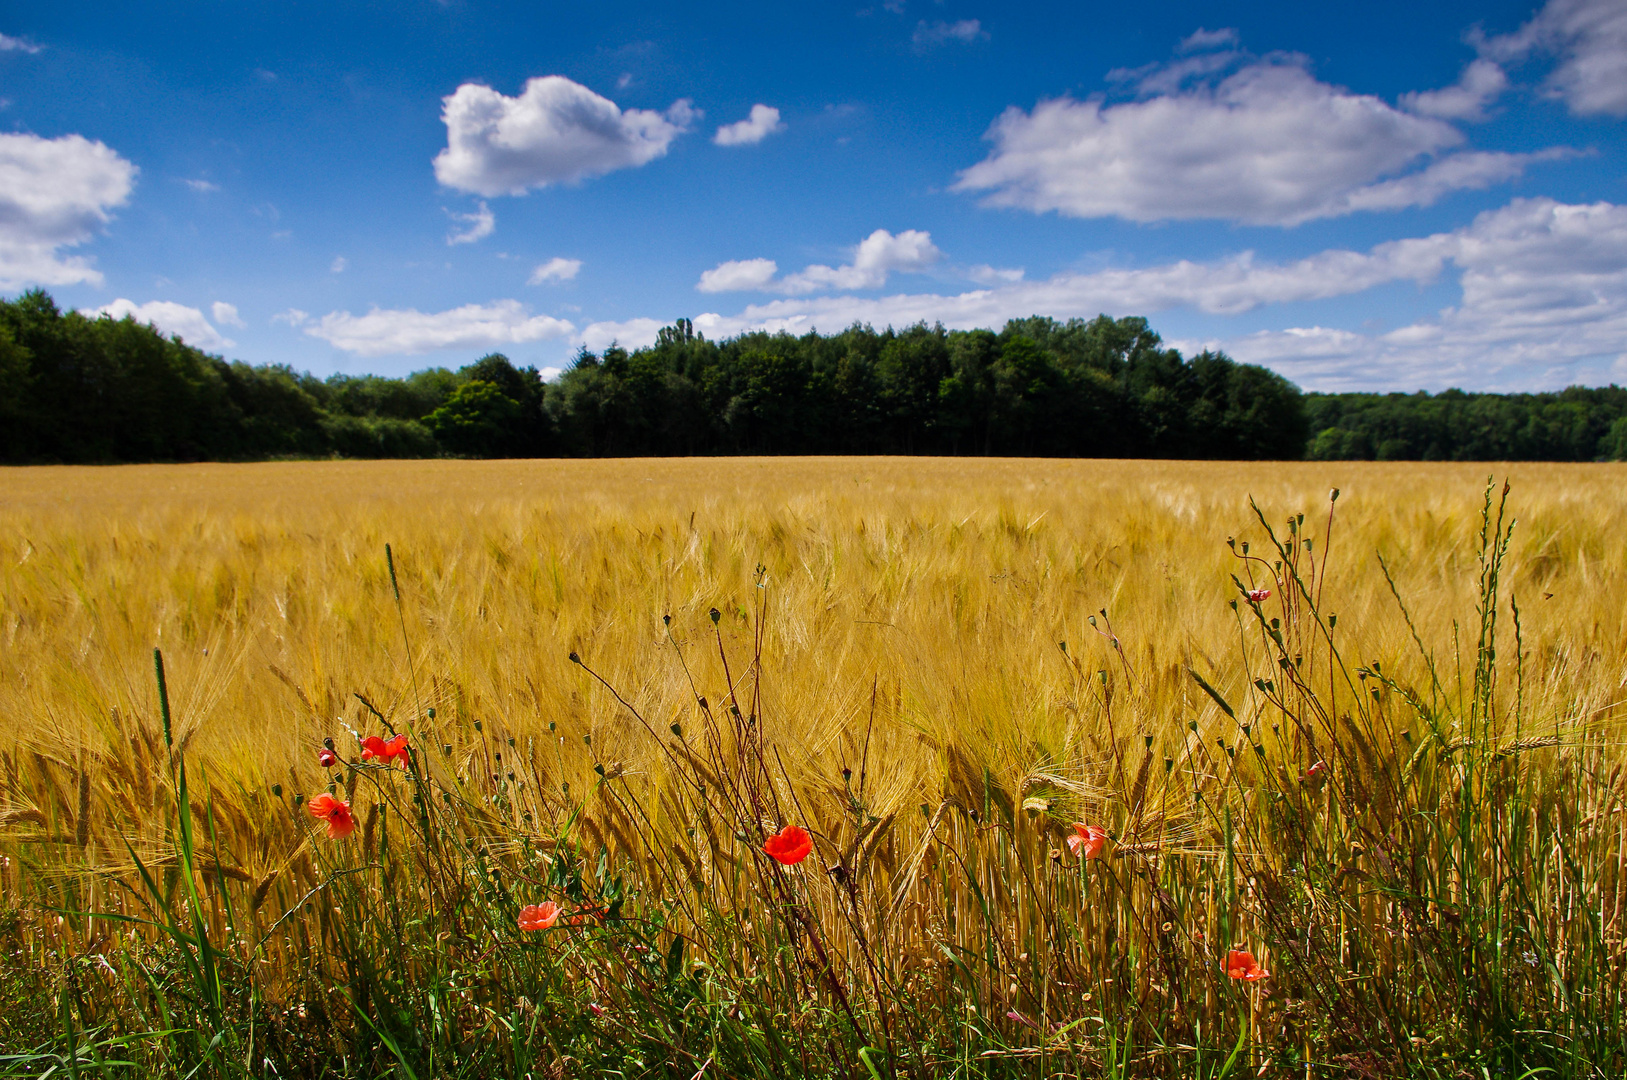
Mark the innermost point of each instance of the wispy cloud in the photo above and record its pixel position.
(11, 44)
(481, 224)
(931, 35)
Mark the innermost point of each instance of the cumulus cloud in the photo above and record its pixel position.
(1543, 303)
(763, 121)
(739, 275)
(409, 332)
(1267, 145)
(931, 35)
(55, 194)
(878, 255)
(480, 224)
(1473, 171)
(172, 320)
(555, 269)
(555, 131)
(226, 314)
(632, 334)
(1589, 38)
(1481, 83)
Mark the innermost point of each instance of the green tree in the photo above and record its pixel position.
(478, 420)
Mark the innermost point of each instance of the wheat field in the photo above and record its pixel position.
(935, 666)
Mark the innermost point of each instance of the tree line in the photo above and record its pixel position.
(78, 389)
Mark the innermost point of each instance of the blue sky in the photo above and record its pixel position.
(1385, 196)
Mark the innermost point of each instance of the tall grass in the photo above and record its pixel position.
(1395, 781)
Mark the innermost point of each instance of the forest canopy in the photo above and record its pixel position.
(80, 389)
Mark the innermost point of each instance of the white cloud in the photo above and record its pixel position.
(54, 194)
(1201, 40)
(293, 317)
(481, 225)
(632, 334)
(739, 275)
(555, 131)
(11, 44)
(985, 274)
(1168, 78)
(1268, 145)
(555, 269)
(930, 35)
(1543, 303)
(410, 332)
(201, 186)
(338, 265)
(170, 319)
(1589, 37)
(763, 121)
(1481, 83)
(226, 314)
(878, 255)
(1471, 171)
(549, 374)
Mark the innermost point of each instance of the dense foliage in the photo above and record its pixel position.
(1577, 424)
(77, 389)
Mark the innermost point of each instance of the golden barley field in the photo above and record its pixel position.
(939, 665)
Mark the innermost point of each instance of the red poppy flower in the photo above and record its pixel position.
(336, 812)
(1316, 773)
(1240, 964)
(790, 845)
(539, 916)
(1259, 596)
(326, 758)
(1089, 839)
(375, 747)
